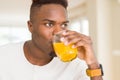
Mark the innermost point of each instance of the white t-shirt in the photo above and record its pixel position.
(14, 66)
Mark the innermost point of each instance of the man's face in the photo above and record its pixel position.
(48, 19)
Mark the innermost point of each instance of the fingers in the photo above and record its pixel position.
(72, 37)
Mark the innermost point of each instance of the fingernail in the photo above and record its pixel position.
(62, 39)
(66, 43)
(64, 33)
(73, 46)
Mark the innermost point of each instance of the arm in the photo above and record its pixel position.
(85, 50)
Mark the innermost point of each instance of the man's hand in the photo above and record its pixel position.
(83, 43)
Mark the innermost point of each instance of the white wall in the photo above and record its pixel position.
(104, 18)
(99, 14)
(116, 39)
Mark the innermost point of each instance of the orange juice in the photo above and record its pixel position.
(65, 53)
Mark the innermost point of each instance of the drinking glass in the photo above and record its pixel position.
(64, 52)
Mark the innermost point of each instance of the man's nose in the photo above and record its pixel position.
(57, 29)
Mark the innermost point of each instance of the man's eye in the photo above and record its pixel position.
(49, 24)
(65, 25)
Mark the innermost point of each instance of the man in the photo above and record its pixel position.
(36, 60)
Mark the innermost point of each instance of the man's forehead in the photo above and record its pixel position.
(51, 20)
(52, 7)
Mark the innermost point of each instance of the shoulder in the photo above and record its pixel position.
(9, 48)
(10, 52)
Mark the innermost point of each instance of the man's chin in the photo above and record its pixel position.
(52, 54)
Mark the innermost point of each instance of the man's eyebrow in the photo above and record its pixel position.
(48, 20)
(66, 21)
(54, 21)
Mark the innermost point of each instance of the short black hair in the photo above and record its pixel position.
(38, 3)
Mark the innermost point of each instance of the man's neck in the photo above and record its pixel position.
(34, 55)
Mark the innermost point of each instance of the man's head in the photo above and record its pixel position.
(36, 4)
(46, 18)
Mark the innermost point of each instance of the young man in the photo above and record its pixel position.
(36, 60)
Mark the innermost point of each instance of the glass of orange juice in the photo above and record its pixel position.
(65, 52)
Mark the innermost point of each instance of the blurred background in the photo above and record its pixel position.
(99, 19)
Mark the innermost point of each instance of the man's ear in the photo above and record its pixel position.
(30, 26)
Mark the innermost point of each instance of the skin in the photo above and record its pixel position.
(47, 21)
